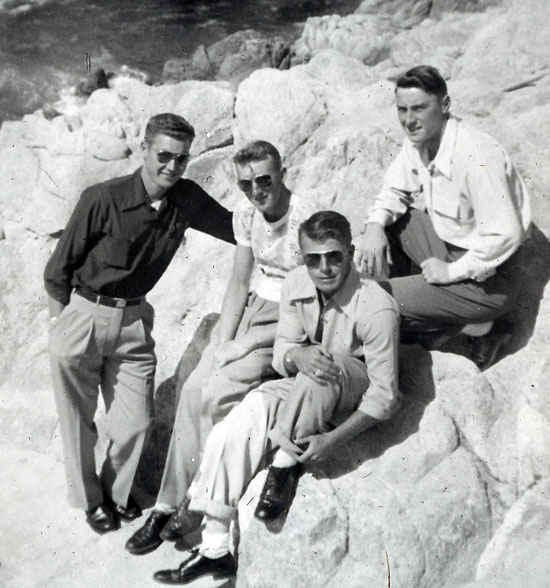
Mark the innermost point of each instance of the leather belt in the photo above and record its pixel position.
(107, 300)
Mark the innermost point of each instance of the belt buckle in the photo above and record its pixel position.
(120, 303)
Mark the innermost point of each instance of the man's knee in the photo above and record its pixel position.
(311, 392)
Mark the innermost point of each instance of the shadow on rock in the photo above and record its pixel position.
(418, 388)
(150, 469)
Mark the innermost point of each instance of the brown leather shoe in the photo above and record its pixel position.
(147, 538)
(181, 523)
(102, 519)
(277, 492)
(196, 566)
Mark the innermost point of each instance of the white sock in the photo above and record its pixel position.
(283, 460)
(215, 537)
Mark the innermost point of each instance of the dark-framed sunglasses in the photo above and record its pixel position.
(177, 158)
(313, 260)
(263, 182)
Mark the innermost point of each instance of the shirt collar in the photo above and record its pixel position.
(304, 288)
(136, 195)
(444, 157)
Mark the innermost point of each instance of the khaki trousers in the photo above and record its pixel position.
(293, 407)
(94, 348)
(207, 397)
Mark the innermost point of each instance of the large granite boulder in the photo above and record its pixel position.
(453, 491)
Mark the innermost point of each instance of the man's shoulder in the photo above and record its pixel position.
(303, 206)
(373, 297)
(471, 139)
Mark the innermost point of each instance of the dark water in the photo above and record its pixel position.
(44, 44)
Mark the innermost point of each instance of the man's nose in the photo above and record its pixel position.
(324, 265)
(255, 188)
(410, 118)
(171, 165)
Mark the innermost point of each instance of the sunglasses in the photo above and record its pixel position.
(313, 260)
(166, 156)
(263, 182)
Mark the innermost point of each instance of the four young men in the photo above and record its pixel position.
(289, 381)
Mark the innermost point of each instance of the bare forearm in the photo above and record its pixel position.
(233, 306)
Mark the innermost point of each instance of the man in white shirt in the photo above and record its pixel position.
(239, 358)
(454, 205)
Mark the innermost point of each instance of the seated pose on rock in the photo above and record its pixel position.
(336, 345)
(239, 358)
(119, 240)
(454, 205)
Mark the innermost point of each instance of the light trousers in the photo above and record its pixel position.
(93, 348)
(290, 407)
(208, 395)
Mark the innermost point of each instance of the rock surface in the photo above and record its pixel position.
(453, 492)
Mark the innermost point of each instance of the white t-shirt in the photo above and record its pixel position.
(274, 245)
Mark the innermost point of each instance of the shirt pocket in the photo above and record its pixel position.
(447, 205)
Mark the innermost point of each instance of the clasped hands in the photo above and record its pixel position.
(374, 258)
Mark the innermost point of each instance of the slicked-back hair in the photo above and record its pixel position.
(426, 78)
(171, 125)
(326, 224)
(257, 151)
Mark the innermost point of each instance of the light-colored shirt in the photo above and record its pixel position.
(361, 320)
(274, 245)
(474, 196)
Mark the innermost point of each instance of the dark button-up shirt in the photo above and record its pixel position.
(117, 244)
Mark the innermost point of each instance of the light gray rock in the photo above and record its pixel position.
(362, 36)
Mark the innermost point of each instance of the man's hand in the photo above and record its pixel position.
(316, 363)
(374, 252)
(435, 271)
(230, 351)
(317, 447)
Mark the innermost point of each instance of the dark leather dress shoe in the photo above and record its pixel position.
(129, 512)
(196, 566)
(277, 492)
(181, 523)
(147, 538)
(486, 349)
(102, 519)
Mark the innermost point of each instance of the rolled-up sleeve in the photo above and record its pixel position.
(380, 336)
(290, 330)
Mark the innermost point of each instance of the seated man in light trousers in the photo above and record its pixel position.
(240, 356)
(453, 212)
(337, 348)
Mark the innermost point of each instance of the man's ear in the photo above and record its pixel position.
(446, 104)
(283, 173)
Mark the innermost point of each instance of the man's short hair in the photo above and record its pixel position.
(169, 124)
(257, 151)
(326, 224)
(426, 78)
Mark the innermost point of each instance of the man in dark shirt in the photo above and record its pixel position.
(119, 240)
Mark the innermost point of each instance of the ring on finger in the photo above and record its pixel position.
(318, 372)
